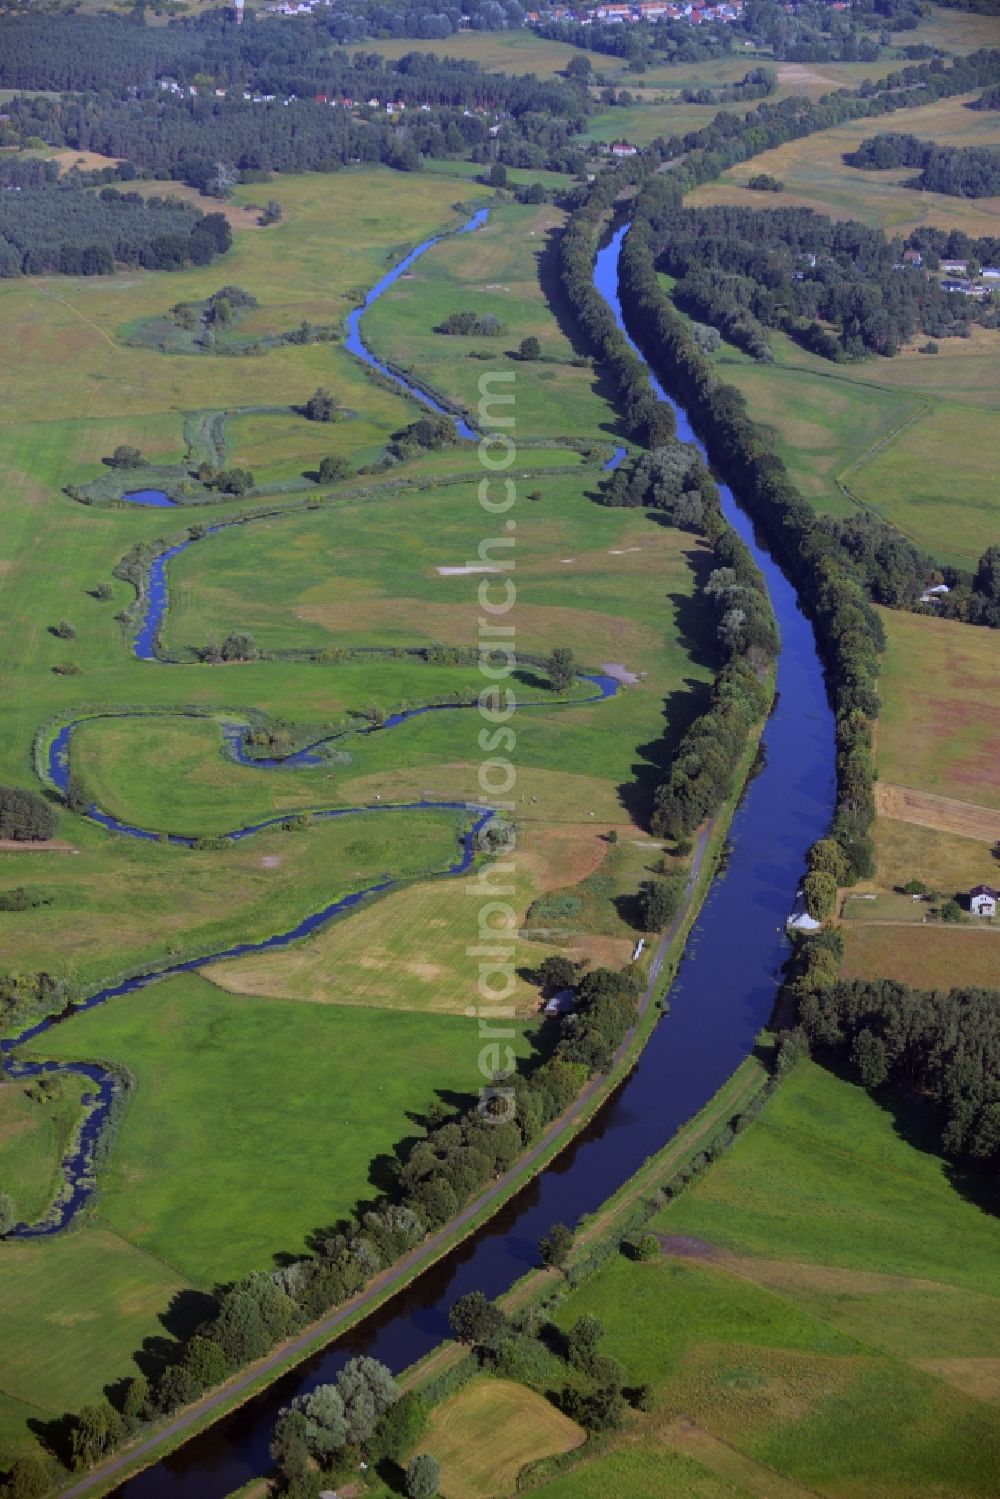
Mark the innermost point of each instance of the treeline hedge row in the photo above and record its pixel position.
(959, 171)
(848, 629)
(936, 1045)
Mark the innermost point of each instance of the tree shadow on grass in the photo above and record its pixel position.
(913, 1120)
(559, 305)
(680, 708)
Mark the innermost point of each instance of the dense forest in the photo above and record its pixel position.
(77, 232)
(959, 171)
(186, 136)
(945, 1046)
(55, 50)
(836, 285)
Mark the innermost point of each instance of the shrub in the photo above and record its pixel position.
(25, 816)
(22, 898)
(820, 890)
(126, 457)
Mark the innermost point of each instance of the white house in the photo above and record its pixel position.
(983, 900)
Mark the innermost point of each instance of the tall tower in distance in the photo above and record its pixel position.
(239, 12)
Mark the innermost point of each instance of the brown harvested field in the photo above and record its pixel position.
(741, 1473)
(907, 851)
(786, 1275)
(944, 814)
(485, 1434)
(40, 846)
(940, 722)
(928, 957)
(87, 161)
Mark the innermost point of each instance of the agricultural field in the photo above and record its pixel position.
(943, 738)
(484, 1435)
(824, 1270)
(910, 439)
(496, 51)
(938, 803)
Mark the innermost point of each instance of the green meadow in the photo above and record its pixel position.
(504, 271)
(822, 1322)
(250, 1125)
(217, 1181)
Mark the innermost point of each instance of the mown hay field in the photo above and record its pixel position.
(942, 736)
(485, 1434)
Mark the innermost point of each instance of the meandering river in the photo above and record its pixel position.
(723, 994)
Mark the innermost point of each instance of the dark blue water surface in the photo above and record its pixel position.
(723, 994)
(155, 498)
(355, 344)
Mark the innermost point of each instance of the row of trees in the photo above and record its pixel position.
(959, 171)
(71, 230)
(758, 83)
(944, 1045)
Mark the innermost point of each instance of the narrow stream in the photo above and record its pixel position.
(723, 995)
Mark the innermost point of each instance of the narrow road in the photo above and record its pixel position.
(319, 1333)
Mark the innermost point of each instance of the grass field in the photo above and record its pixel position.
(497, 51)
(216, 1181)
(824, 1270)
(33, 1139)
(484, 1435)
(928, 957)
(912, 438)
(942, 738)
(815, 175)
(84, 1303)
(510, 265)
(413, 954)
(938, 802)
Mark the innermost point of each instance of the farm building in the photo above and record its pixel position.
(623, 148)
(983, 900)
